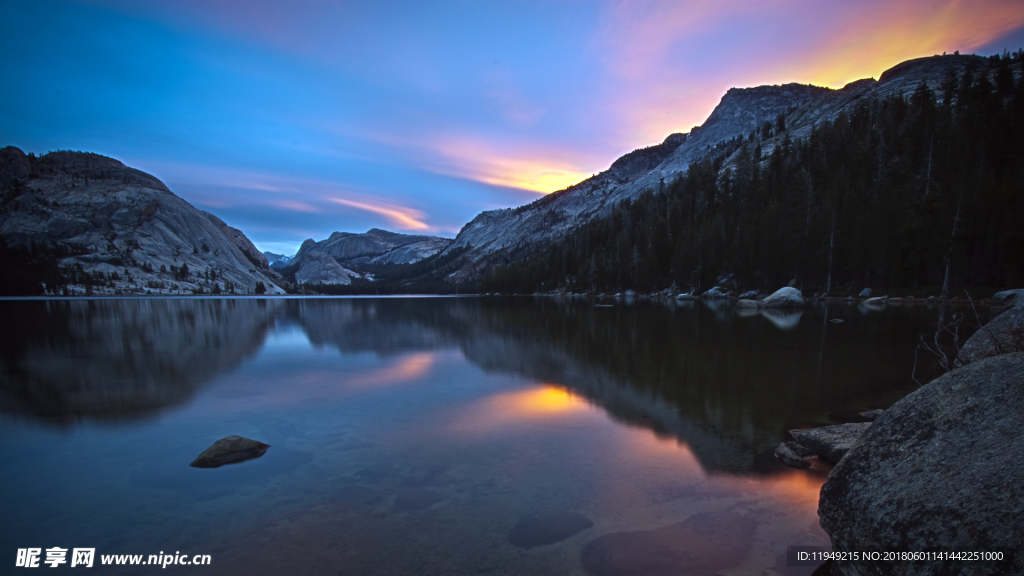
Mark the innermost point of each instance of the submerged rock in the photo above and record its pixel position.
(229, 450)
(785, 297)
(547, 528)
(940, 470)
(416, 498)
(837, 320)
(1002, 335)
(831, 443)
(701, 545)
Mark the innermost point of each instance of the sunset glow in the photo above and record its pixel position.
(464, 109)
(406, 369)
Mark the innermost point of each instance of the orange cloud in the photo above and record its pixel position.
(402, 217)
(871, 42)
(678, 58)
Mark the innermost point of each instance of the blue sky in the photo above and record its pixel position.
(293, 120)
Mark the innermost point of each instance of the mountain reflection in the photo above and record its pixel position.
(121, 359)
(724, 384)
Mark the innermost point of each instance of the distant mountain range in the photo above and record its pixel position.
(84, 222)
(277, 260)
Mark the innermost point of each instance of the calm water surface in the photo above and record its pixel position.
(409, 435)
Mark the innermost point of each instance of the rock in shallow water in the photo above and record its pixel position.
(701, 545)
(785, 298)
(229, 450)
(831, 443)
(786, 454)
(939, 470)
(547, 528)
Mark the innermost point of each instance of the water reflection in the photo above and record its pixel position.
(121, 359)
(725, 385)
(410, 435)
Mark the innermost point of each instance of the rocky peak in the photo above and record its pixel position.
(121, 230)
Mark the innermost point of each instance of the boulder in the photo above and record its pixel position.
(831, 443)
(545, 528)
(749, 295)
(877, 300)
(789, 456)
(744, 303)
(689, 296)
(837, 320)
(717, 292)
(785, 298)
(1009, 298)
(701, 545)
(229, 450)
(1002, 335)
(939, 470)
(865, 293)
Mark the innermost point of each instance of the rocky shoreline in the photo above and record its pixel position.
(940, 470)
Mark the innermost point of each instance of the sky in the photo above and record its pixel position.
(292, 120)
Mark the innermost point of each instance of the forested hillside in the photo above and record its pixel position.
(925, 191)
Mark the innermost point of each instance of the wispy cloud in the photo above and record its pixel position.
(401, 217)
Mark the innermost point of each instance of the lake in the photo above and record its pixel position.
(411, 435)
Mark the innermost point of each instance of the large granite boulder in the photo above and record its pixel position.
(785, 298)
(1003, 334)
(942, 469)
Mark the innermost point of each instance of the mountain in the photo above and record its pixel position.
(336, 259)
(84, 223)
(913, 183)
(493, 236)
(277, 260)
